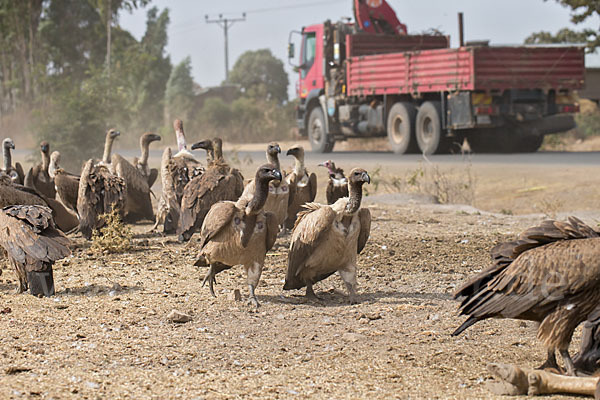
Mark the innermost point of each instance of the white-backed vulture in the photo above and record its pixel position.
(240, 232)
(337, 187)
(109, 140)
(15, 173)
(38, 176)
(302, 186)
(66, 184)
(176, 171)
(32, 243)
(550, 274)
(218, 182)
(139, 204)
(328, 238)
(277, 200)
(142, 163)
(15, 194)
(100, 191)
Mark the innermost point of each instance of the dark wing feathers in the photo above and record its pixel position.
(152, 177)
(272, 230)
(312, 184)
(217, 218)
(364, 216)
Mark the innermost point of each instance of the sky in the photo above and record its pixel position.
(269, 22)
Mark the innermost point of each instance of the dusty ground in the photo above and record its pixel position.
(106, 334)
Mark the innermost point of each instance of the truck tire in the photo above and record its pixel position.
(319, 139)
(428, 129)
(401, 128)
(529, 144)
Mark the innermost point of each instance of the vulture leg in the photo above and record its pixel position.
(568, 362)
(22, 275)
(550, 362)
(210, 278)
(349, 278)
(310, 293)
(253, 273)
(252, 299)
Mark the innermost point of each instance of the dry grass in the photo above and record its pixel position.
(114, 237)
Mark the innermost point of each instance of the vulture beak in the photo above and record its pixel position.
(45, 148)
(365, 177)
(323, 164)
(290, 152)
(203, 144)
(11, 145)
(276, 174)
(278, 149)
(114, 134)
(155, 138)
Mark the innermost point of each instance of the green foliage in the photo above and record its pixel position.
(588, 124)
(261, 76)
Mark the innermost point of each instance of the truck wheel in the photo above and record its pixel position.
(401, 128)
(529, 144)
(319, 140)
(430, 136)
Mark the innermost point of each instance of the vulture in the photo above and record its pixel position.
(32, 243)
(66, 184)
(100, 191)
(139, 204)
(550, 274)
(218, 182)
(176, 171)
(38, 176)
(142, 163)
(14, 194)
(337, 187)
(277, 200)
(240, 233)
(328, 238)
(16, 174)
(302, 186)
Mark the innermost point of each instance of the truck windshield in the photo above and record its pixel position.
(308, 52)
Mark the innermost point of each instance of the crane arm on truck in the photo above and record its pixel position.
(376, 16)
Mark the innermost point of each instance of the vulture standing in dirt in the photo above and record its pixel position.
(328, 238)
(302, 186)
(277, 200)
(32, 243)
(550, 274)
(337, 187)
(218, 182)
(240, 232)
(38, 176)
(66, 184)
(16, 174)
(100, 191)
(176, 171)
(139, 204)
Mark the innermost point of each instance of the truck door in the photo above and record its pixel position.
(311, 60)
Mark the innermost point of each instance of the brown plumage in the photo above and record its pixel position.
(240, 233)
(218, 182)
(176, 171)
(38, 176)
(139, 204)
(15, 173)
(100, 191)
(279, 191)
(142, 163)
(550, 274)
(302, 186)
(328, 238)
(31, 241)
(337, 187)
(66, 184)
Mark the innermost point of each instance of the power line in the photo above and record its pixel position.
(225, 24)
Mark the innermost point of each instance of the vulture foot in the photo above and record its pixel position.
(550, 362)
(568, 362)
(210, 278)
(252, 301)
(310, 293)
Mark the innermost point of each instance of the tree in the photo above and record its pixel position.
(179, 94)
(261, 76)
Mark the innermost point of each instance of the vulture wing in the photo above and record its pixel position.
(291, 179)
(364, 216)
(311, 225)
(239, 182)
(272, 230)
(152, 177)
(20, 172)
(312, 184)
(217, 218)
(139, 203)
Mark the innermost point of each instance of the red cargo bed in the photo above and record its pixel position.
(467, 68)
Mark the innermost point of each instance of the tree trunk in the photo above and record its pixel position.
(108, 34)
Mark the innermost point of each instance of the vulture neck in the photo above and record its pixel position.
(145, 146)
(261, 189)
(355, 198)
(7, 158)
(107, 149)
(299, 165)
(217, 153)
(45, 161)
(181, 143)
(52, 168)
(273, 159)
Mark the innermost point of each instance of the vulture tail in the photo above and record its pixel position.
(465, 325)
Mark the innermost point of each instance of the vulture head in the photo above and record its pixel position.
(148, 138)
(205, 144)
(112, 134)
(267, 173)
(45, 147)
(8, 144)
(330, 165)
(296, 151)
(54, 163)
(264, 174)
(359, 177)
(178, 125)
(273, 149)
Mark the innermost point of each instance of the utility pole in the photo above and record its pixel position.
(225, 23)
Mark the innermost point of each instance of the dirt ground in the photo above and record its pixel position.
(106, 333)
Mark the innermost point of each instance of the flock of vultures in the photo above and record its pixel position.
(550, 274)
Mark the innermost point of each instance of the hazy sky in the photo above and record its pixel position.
(268, 23)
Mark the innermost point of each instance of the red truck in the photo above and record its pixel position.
(371, 79)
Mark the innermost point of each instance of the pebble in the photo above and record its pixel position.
(178, 317)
